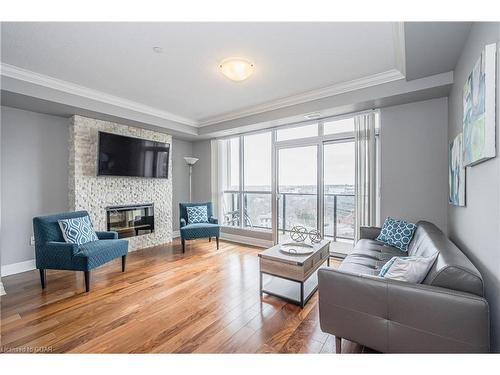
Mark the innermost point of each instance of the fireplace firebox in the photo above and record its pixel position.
(131, 220)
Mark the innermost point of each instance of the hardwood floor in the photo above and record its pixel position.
(203, 301)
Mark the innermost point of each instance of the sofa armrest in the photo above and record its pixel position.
(182, 223)
(61, 248)
(369, 233)
(213, 220)
(107, 235)
(394, 316)
(55, 255)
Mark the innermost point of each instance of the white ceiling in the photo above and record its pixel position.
(291, 59)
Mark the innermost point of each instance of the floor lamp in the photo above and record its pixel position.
(190, 162)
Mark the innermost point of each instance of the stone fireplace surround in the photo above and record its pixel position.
(93, 193)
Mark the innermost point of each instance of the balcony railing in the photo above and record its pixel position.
(338, 211)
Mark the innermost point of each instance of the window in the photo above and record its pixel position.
(345, 125)
(315, 154)
(297, 132)
(247, 181)
(233, 177)
(257, 162)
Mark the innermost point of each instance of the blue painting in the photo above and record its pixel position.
(479, 109)
(456, 173)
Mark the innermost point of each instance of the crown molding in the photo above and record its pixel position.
(341, 88)
(25, 75)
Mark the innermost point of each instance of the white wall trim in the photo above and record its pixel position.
(25, 75)
(2, 290)
(398, 31)
(12, 269)
(340, 88)
(176, 233)
(246, 240)
(42, 80)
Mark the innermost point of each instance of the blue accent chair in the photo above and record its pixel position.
(198, 230)
(53, 252)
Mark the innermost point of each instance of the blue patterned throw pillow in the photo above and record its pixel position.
(197, 214)
(397, 233)
(78, 230)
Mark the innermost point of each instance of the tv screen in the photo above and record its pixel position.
(132, 157)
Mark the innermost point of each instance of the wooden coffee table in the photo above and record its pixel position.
(292, 277)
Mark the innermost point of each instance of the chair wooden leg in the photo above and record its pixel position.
(338, 345)
(87, 281)
(209, 239)
(42, 277)
(183, 245)
(124, 262)
(217, 239)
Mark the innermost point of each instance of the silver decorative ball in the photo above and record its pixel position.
(298, 233)
(314, 236)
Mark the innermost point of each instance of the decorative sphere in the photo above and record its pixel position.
(298, 233)
(314, 236)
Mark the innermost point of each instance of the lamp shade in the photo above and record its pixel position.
(190, 161)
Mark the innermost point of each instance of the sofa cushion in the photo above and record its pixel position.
(397, 233)
(200, 230)
(77, 230)
(96, 253)
(411, 269)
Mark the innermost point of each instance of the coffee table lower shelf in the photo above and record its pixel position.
(293, 291)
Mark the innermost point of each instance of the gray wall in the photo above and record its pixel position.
(414, 162)
(34, 176)
(180, 175)
(202, 189)
(476, 227)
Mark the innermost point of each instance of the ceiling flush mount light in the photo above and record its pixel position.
(236, 69)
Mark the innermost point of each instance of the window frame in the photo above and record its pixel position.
(320, 140)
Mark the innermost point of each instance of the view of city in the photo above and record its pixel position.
(297, 206)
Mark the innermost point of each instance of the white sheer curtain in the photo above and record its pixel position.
(366, 183)
(216, 182)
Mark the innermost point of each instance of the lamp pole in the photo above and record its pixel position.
(190, 162)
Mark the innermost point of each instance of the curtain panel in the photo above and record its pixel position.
(365, 181)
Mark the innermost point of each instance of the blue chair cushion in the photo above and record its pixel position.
(94, 254)
(200, 230)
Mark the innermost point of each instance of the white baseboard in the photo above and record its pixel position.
(176, 233)
(11, 269)
(2, 290)
(246, 240)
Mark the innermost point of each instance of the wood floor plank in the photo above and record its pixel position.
(202, 301)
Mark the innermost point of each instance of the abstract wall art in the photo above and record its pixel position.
(456, 172)
(479, 109)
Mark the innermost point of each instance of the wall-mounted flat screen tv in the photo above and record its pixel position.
(132, 157)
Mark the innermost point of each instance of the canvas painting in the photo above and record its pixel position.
(479, 109)
(456, 172)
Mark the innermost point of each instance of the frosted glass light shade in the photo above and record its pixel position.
(190, 161)
(236, 69)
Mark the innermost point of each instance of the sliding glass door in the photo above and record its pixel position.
(338, 197)
(297, 189)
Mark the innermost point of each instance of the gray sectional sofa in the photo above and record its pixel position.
(447, 313)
